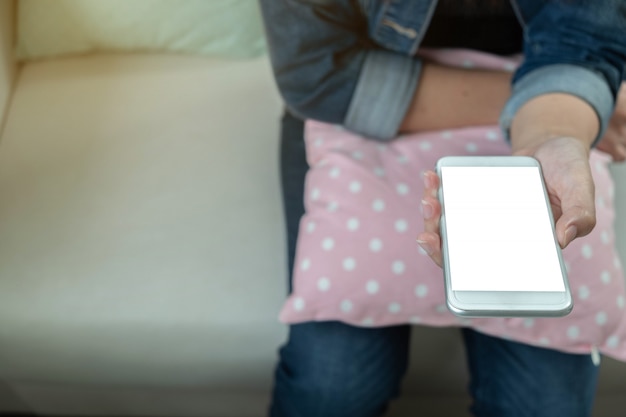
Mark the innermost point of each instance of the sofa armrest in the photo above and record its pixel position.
(8, 66)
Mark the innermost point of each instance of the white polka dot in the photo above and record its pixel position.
(402, 159)
(467, 63)
(355, 186)
(465, 322)
(544, 341)
(381, 147)
(318, 142)
(587, 251)
(328, 243)
(358, 155)
(528, 323)
(353, 224)
(310, 226)
(372, 287)
(620, 301)
(376, 245)
(426, 145)
(402, 189)
(604, 237)
(471, 147)
(601, 318)
(509, 66)
(605, 276)
(306, 264)
(617, 263)
(441, 308)
(378, 205)
(415, 319)
(332, 206)
(573, 332)
(612, 342)
(368, 322)
(346, 306)
(421, 291)
(349, 264)
(315, 193)
(446, 134)
(492, 135)
(401, 225)
(598, 166)
(298, 304)
(379, 172)
(323, 284)
(583, 292)
(334, 172)
(397, 267)
(394, 308)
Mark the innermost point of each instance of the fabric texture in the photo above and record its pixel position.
(228, 28)
(319, 49)
(357, 260)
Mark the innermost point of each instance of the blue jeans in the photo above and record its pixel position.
(330, 369)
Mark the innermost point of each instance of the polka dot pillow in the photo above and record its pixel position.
(357, 260)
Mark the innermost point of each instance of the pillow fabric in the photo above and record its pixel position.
(357, 260)
(228, 28)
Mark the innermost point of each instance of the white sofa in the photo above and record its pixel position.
(142, 252)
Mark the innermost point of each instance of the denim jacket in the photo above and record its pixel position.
(352, 62)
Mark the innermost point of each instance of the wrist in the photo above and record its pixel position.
(551, 116)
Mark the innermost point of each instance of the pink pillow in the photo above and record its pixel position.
(357, 260)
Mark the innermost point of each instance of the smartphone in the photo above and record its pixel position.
(501, 257)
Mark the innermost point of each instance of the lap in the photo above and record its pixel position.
(331, 368)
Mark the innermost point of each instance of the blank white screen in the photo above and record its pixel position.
(498, 230)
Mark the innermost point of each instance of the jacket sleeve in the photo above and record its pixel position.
(576, 47)
(326, 69)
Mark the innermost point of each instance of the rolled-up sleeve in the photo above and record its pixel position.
(383, 94)
(326, 68)
(576, 47)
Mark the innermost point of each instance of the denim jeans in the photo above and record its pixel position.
(330, 369)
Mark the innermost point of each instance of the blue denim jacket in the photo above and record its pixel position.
(352, 62)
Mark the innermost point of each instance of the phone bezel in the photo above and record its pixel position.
(501, 303)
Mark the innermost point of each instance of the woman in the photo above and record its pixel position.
(353, 62)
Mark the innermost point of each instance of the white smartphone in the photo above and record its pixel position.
(501, 257)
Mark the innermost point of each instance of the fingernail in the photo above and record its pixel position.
(570, 234)
(427, 209)
(426, 246)
(426, 181)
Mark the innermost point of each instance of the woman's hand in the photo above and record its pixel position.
(430, 238)
(614, 140)
(567, 175)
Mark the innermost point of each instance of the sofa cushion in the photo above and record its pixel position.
(142, 233)
(230, 28)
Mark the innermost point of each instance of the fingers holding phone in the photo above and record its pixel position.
(567, 175)
(430, 240)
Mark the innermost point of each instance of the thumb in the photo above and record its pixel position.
(578, 216)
